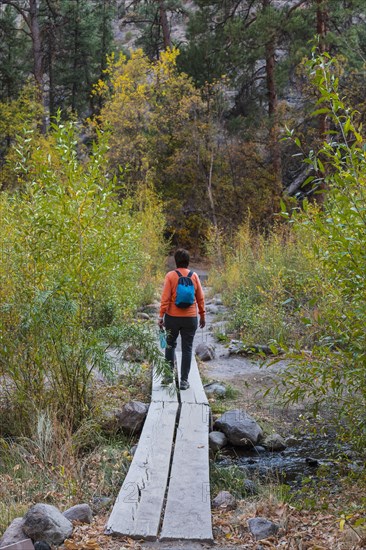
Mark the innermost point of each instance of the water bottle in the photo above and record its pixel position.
(162, 338)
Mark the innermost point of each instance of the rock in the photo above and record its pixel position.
(274, 442)
(205, 352)
(131, 417)
(217, 440)
(215, 388)
(133, 355)
(262, 528)
(41, 545)
(240, 428)
(143, 315)
(218, 301)
(80, 512)
(250, 487)
(100, 504)
(311, 461)
(224, 500)
(25, 544)
(291, 441)
(152, 305)
(14, 533)
(212, 308)
(259, 449)
(133, 450)
(356, 467)
(45, 522)
(109, 423)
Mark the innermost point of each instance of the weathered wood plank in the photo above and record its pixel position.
(195, 393)
(138, 507)
(163, 393)
(188, 508)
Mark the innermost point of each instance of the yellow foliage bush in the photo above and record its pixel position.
(76, 263)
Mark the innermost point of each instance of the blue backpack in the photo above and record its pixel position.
(185, 290)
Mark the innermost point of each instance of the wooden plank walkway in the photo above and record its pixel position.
(195, 393)
(139, 506)
(188, 508)
(137, 510)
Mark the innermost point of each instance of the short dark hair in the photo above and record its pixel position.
(181, 257)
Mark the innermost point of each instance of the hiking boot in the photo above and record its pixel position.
(184, 384)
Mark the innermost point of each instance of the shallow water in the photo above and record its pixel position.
(294, 464)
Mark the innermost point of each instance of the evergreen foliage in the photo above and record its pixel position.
(14, 56)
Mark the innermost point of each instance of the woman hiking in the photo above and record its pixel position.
(182, 295)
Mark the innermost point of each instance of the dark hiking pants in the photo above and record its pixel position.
(186, 327)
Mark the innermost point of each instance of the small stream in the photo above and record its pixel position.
(315, 456)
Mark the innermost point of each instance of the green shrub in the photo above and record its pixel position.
(270, 283)
(336, 372)
(304, 285)
(74, 265)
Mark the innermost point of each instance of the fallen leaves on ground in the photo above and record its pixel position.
(92, 537)
(299, 530)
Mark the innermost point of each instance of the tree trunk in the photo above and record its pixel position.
(76, 54)
(270, 53)
(36, 46)
(164, 25)
(51, 80)
(321, 29)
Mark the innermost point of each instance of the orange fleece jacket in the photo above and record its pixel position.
(170, 293)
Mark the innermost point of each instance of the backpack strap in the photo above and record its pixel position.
(180, 275)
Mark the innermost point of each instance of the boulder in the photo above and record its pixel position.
(41, 545)
(131, 417)
(274, 442)
(262, 528)
(217, 440)
(312, 461)
(205, 352)
(143, 315)
(225, 501)
(14, 533)
(291, 441)
(45, 522)
(240, 428)
(250, 487)
(25, 544)
(79, 512)
(212, 308)
(215, 388)
(133, 450)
